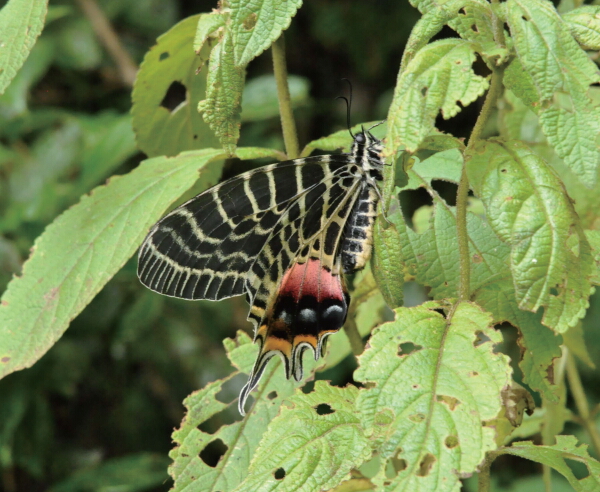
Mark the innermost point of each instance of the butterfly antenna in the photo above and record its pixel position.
(376, 125)
(349, 107)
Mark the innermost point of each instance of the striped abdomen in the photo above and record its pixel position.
(358, 234)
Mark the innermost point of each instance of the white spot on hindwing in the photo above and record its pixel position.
(308, 315)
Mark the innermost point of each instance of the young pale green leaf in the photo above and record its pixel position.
(160, 128)
(21, 22)
(207, 25)
(594, 239)
(342, 140)
(84, 247)
(225, 83)
(474, 23)
(437, 78)
(241, 438)
(529, 209)
(386, 262)
(432, 256)
(584, 24)
(562, 73)
(256, 25)
(555, 457)
(540, 345)
(575, 342)
(311, 445)
(432, 384)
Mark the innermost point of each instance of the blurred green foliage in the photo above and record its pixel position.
(97, 411)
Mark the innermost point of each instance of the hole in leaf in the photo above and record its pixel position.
(462, 11)
(225, 417)
(446, 190)
(503, 170)
(426, 465)
(450, 401)
(231, 388)
(411, 201)
(195, 137)
(408, 348)
(579, 469)
(553, 292)
(440, 311)
(272, 395)
(451, 442)
(213, 452)
(163, 56)
(473, 373)
(424, 91)
(480, 338)
(474, 28)
(308, 387)
(324, 409)
(175, 96)
(399, 464)
(279, 474)
(415, 386)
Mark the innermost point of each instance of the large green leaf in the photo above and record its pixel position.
(584, 23)
(160, 130)
(225, 83)
(241, 438)
(256, 25)
(562, 73)
(436, 79)
(529, 209)
(21, 22)
(433, 383)
(556, 456)
(84, 247)
(312, 444)
(431, 256)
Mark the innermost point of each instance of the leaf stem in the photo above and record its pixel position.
(290, 137)
(464, 289)
(581, 402)
(483, 476)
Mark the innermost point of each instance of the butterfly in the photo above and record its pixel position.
(283, 234)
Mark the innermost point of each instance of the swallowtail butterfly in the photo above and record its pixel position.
(284, 235)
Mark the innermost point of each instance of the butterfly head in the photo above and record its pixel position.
(366, 150)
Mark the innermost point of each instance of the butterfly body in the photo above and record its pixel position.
(284, 235)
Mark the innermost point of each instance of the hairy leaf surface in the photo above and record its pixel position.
(437, 78)
(529, 209)
(432, 383)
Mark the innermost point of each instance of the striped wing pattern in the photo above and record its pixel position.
(284, 234)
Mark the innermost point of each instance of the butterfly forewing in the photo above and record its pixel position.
(204, 248)
(284, 234)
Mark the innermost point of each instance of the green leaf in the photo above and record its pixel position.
(575, 342)
(130, 473)
(256, 25)
(562, 73)
(474, 23)
(311, 445)
(241, 438)
(342, 140)
(432, 256)
(225, 83)
(540, 346)
(21, 22)
(386, 262)
(432, 384)
(172, 61)
(556, 456)
(529, 209)
(594, 239)
(207, 25)
(82, 249)
(260, 96)
(584, 24)
(437, 78)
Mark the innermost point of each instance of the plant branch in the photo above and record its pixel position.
(109, 38)
(290, 137)
(581, 402)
